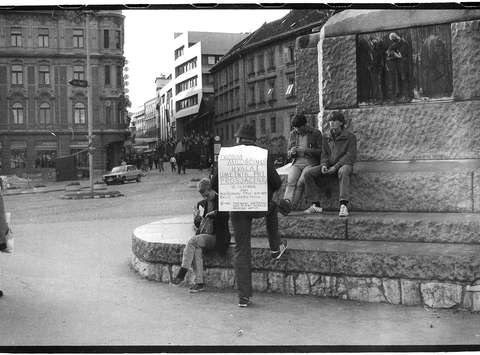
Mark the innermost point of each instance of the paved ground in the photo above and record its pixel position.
(69, 283)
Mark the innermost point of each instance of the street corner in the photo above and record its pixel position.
(88, 195)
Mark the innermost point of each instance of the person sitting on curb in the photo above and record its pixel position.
(305, 147)
(242, 224)
(213, 237)
(339, 153)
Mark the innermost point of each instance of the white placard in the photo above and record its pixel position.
(242, 178)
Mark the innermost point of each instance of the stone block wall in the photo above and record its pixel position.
(410, 292)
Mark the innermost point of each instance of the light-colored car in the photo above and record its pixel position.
(122, 174)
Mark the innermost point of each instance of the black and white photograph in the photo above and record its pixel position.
(239, 177)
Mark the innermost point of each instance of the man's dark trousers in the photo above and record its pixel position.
(242, 230)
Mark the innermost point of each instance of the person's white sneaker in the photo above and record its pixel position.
(313, 209)
(343, 211)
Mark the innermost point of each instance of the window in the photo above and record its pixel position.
(251, 94)
(237, 98)
(16, 37)
(78, 72)
(44, 75)
(106, 39)
(119, 114)
(119, 76)
(18, 158)
(271, 90)
(260, 63)
(404, 65)
(17, 75)
(185, 85)
(45, 114)
(179, 52)
(45, 159)
(291, 86)
(17, 113)
(271, 59)
(107, 74)
(273, 124)
(263, 129)
(261, 91)
(211, 59)
(118, 40)
(290, 55)
(188, 102)
(250, 66)
(78, 38)
(43, 37)
(236, 71)
(79, 113)
(189, 65)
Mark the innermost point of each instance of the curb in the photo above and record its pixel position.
(27, 192)
(84, 196)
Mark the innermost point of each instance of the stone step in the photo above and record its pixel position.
(437, 274)
(383, 226)
(405, 186)
(440, 261)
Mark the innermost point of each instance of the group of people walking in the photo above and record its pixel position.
(315, 158)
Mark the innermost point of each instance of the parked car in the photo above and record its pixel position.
(122, 174)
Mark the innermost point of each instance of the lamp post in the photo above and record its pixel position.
(89, 103)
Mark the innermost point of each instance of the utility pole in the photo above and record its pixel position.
(89, 104)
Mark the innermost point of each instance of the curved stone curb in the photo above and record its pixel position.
(88, 195)
(435, 275)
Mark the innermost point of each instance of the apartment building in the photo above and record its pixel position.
(255, 80)
(42, 116)
(185, 101)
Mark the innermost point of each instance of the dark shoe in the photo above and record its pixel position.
(278, 254)
(285, 206)
(176, 281)
(244, 302)
(197, 288)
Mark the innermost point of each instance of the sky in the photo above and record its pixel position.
(149, 34)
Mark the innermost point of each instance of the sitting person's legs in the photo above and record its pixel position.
(193, 252)
(344, 174)
(312, 191)
(299, 192)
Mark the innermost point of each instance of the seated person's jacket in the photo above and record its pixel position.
(220, 225)
(340, 150)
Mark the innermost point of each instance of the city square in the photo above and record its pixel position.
(307, 179)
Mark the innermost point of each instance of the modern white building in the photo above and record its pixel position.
(184, 101)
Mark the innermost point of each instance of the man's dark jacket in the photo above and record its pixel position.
(220, 226)
(339, 150)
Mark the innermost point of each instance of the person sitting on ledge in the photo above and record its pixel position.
(339, 153)
(305, 147)
(212, 233)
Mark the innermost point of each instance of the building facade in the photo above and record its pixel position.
(255, 81)
(42, 116)
(183, 101)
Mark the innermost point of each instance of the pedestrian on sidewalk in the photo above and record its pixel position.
(160, 164)
(4, 230)
(242, 224)
(212, 234)
(173, 163)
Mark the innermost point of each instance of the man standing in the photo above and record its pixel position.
(242, 224)
(305, 148)
(339, 153)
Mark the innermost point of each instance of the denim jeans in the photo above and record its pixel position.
(314, 179)
(242, 229)
(193, 253)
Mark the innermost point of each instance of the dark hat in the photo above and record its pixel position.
(337, 116)
(299, 120)
(247, 131)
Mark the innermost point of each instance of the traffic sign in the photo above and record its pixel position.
(78, 82)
